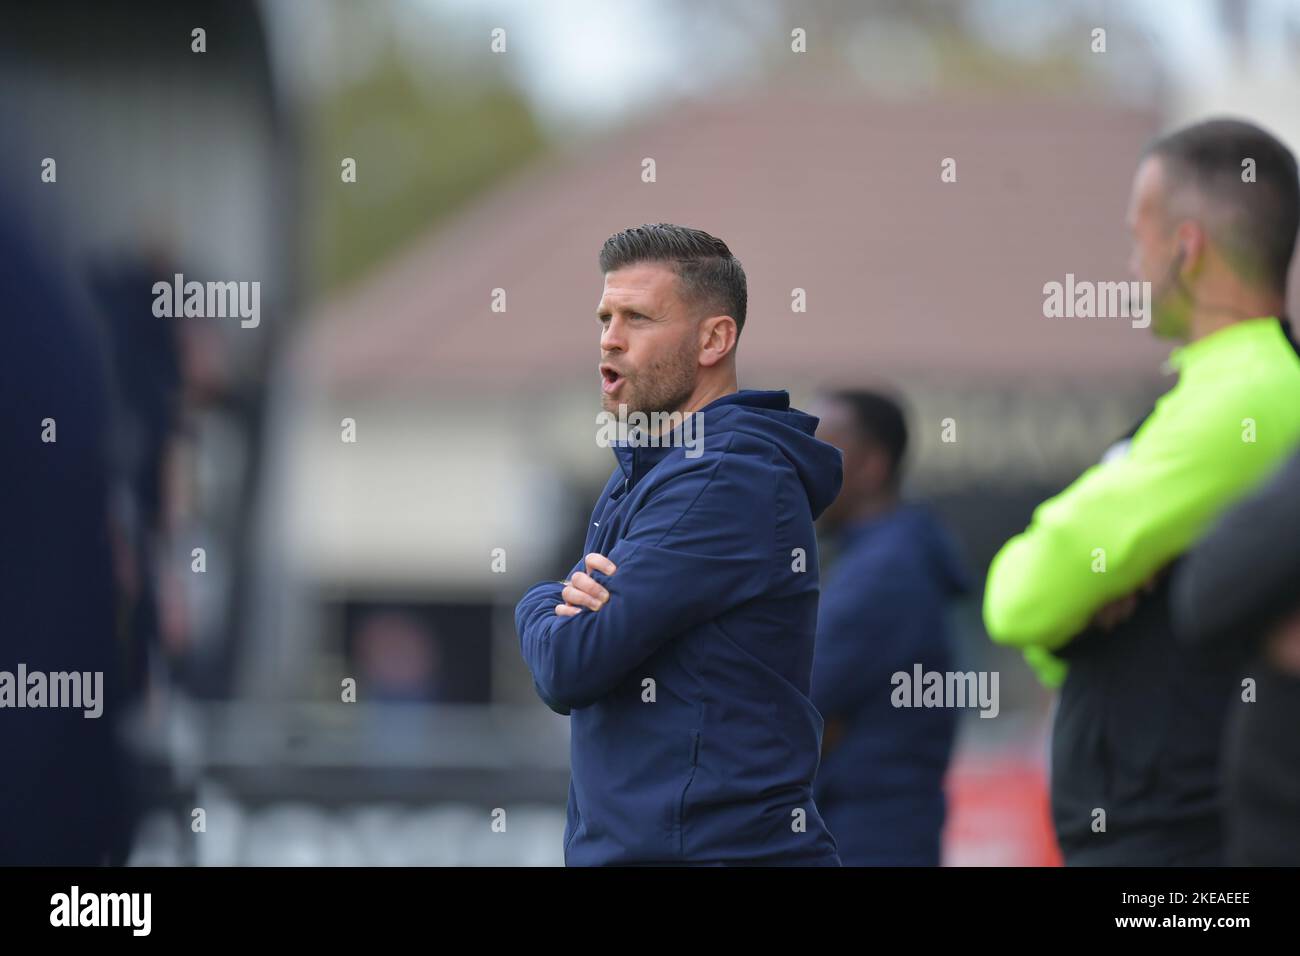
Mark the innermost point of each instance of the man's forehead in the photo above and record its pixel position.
(638, 282)
(1148, 184)
(835, 416)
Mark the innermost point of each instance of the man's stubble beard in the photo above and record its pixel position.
(665, 386)
(1170, 311)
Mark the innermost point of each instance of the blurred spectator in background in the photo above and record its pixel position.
(399, 661)
(146, 361)
(883, 608)
(1240, 588)
(1136, 737)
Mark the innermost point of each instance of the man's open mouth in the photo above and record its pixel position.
(611, 379)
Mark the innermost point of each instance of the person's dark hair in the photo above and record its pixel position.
(879, 419)
(1255, 223)
(710, 276)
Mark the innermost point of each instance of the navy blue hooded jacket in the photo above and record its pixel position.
(883, 610)
(714, 599)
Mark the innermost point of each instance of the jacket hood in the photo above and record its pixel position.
(758, 414)
(769, 416)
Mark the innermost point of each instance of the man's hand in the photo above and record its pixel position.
(1112, 615)
(1282, 647)
(583, 591)
(1115, 613)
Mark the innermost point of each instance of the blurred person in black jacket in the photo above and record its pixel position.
(883, 611)
(61, 785)
(1241, 586)
(144, 353)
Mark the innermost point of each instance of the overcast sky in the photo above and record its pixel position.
(601, 58)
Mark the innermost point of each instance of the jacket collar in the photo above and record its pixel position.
(1226, 340)
(636, 460)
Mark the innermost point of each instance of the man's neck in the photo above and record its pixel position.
(1211, 313)
(707, 392)
(874, 506)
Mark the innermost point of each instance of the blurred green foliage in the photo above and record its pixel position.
(423, 148)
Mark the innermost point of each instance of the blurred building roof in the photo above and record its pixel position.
(839, 197)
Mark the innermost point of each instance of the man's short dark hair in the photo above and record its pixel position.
(878, 419)
(1257, 221)
(710, 276)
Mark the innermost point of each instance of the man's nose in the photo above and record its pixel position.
(1135, 264)
(611, 336)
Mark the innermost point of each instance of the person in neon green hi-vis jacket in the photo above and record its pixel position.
(1213, 215)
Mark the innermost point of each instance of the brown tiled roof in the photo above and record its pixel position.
(841, 197)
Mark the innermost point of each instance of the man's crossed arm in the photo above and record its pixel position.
(692, 551)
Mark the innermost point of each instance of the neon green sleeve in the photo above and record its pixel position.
(1124, 520)
(1049, 668)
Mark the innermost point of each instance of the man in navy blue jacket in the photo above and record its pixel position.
(681, 645)
(883, 611)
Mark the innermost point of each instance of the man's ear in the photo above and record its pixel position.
(875, 465)
(717, 339)
(1191, 245)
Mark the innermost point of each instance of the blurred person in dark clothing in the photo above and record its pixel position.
(883, 610)
(1240, 588)
(60, 791)
(145, 357)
